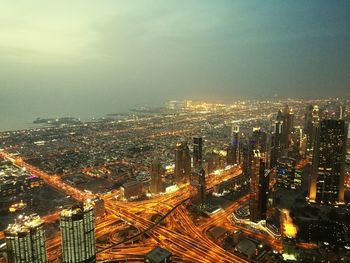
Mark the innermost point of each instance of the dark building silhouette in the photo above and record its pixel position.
(259, 188)
(233, 149)
(281, 137)
(197, 152)
(288, 124)
(158, 255)
(156, 177)
(199, 183)
(182, 162)
(276, 142)
(326, 183)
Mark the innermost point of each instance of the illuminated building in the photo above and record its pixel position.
(182, 162)
(158, 255)
(286, 172)
(296, 138)
(328, 165)
(197, 152)
(315, 124)
(312, 118)
(259, 184)
(78, 234)
(156, 178)
(25, 240)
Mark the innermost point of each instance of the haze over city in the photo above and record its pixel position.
(87, 59)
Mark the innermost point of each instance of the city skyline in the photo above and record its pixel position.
(189, 182)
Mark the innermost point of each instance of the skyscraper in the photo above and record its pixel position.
(182, 162)
(197, 151)
(288, 124)
(230, 155)
(233, 154)
(259, 183)
(326, 183)
(25, 240)
(286, 172)
(77, 234)
(308, 125)
(156, 178)
(276, 142)
(198, 181)
(259, 140)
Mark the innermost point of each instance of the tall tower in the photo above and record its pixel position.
(198, 181)
(156, 178)
(182, 162)
(259, 183)
(315, 125)
(25, 240)
(276, 140)
(77, 234)
(288, 124)
(233, 154)
(286, 172)
(197, 151)
(328, 165)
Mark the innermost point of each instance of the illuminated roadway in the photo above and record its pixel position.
(187, 242)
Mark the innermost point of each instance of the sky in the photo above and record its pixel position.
(91, 57)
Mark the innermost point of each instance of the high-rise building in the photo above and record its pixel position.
(281, 138)
(296, 139)
(288, 124)
(78, 234)
(182, 162)
(156, 178)
(259, 184)
(326, 183)
(198, 180)
(276, 141)
(197, 152)
(233, 150)
(25, 240)
(286, 172)
(235, 144)
(308, 125)
(259, 140)
(247, 150)
(231, 156)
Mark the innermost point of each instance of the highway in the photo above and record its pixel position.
(181, 236)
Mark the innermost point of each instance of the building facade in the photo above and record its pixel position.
(25, 240)
(78, 234)
(326, 183)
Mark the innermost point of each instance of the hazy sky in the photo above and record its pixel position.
(85, 57)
